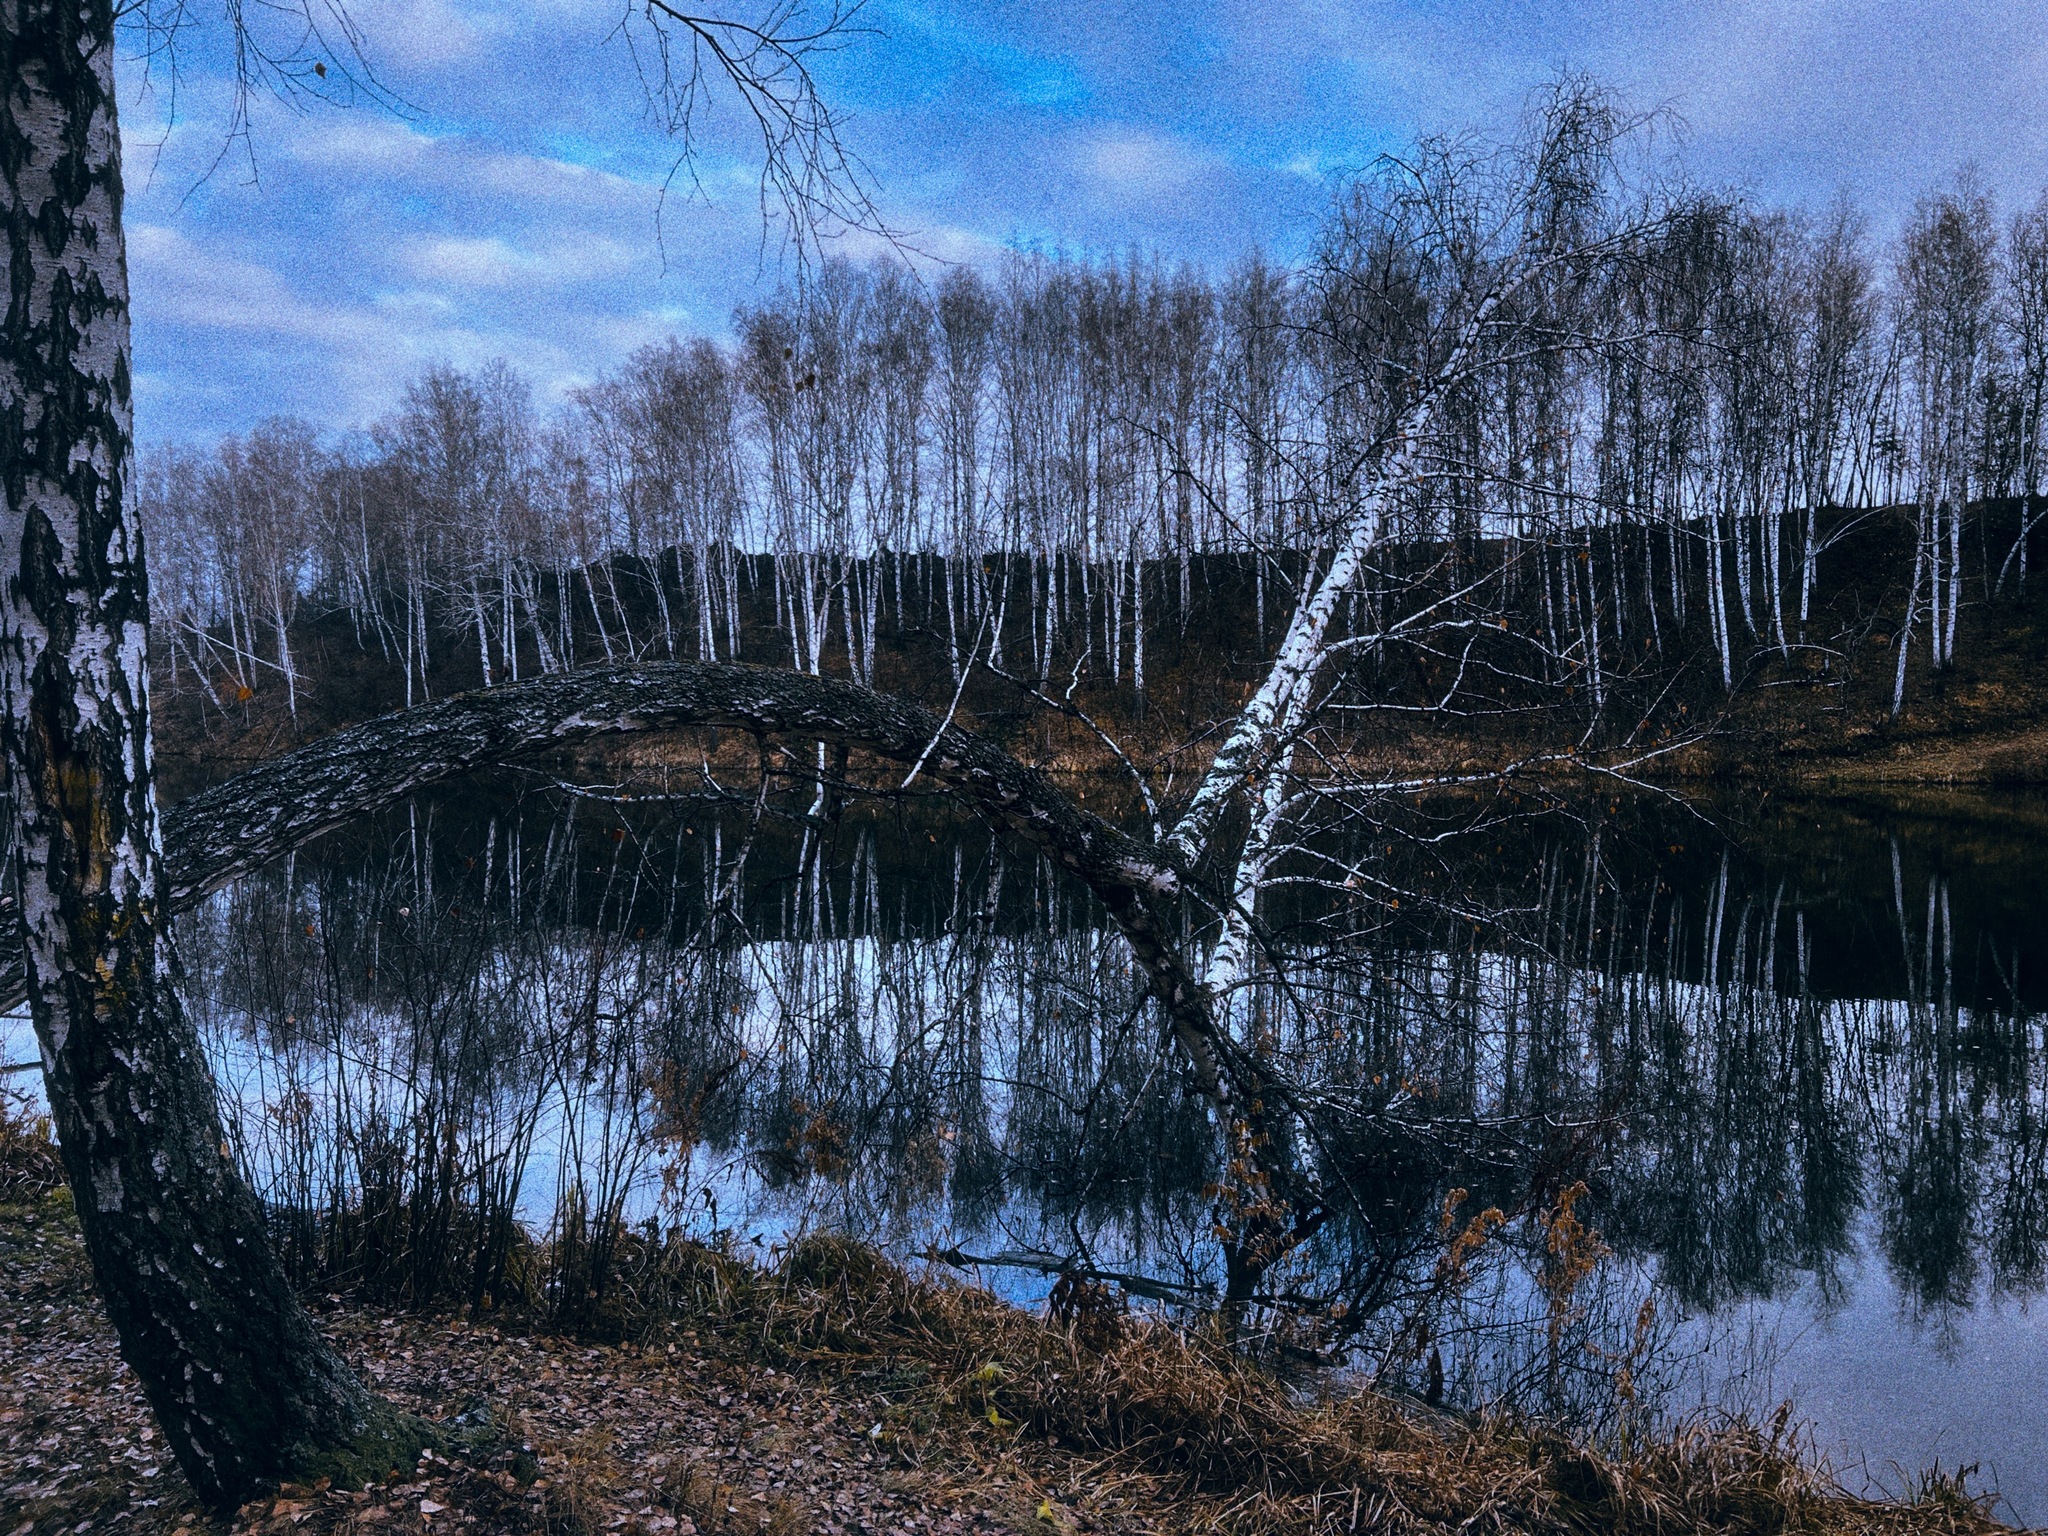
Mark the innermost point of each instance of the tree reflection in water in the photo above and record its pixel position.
(610, 1017)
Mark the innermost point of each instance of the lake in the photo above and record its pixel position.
(1758, 1085)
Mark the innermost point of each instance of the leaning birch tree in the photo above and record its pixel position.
(1436, 272)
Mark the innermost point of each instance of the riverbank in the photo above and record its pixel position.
(835, 1392)
(1806, 701)
(1985, 723)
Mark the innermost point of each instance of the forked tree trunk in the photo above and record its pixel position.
(244, 1387)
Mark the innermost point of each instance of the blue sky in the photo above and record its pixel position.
(509, 209)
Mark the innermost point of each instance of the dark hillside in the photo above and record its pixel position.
(1517, 683)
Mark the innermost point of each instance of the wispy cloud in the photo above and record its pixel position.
(511, 206)
(1142, 164)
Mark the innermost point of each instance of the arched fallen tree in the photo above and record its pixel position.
(245, 1388)
(254, 1412)
(235, 1371)
(269, 810)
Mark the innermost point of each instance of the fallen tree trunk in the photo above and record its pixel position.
(269, 810)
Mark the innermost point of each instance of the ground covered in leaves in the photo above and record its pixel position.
(660, 1437)
(840, 1394)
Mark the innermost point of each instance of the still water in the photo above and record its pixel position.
(1796, 1053)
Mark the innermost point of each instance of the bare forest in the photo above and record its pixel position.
(1735, 447)
(1326, 1028)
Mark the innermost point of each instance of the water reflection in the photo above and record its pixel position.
(1757, 1054)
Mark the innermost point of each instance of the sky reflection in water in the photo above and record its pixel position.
(1798, 1060)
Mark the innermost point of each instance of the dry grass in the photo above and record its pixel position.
(1169, 1419)
(719, 1506)
(1229, 1447)
(29, 1168)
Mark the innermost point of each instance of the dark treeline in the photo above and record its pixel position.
(1040, 467)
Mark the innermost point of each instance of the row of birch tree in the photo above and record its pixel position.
(1037, 456)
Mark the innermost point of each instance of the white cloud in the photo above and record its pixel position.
(1137, 162)
(441, 34)
(404, 158)
(428, 34)
(342, 361)
(180, 282)
(491, 261)
(926, 247)
(363, 143)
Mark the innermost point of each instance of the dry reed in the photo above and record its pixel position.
(29, 1166)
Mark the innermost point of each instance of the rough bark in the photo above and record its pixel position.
(239, 1378)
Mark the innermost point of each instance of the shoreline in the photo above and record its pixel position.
(1910, 753)
(834, 1392)
(2019, 761)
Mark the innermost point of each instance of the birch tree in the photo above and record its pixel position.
(2025, 319)
(242, 1383)
(1428, 279)
(1945, 273)
(1838, 384)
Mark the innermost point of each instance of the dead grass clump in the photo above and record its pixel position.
(691, 1487)
(29, 1165)
(1229, 1438)
(658, 1281)
(582, 1469)
(827, 1260)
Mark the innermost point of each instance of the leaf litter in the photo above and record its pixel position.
(843, 1395)
(668, 1436)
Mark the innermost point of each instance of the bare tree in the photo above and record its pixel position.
(1945, 275)
(241, 1381)
(2025, 315)
(691, 63)
(1839, 383)
(663, 430)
